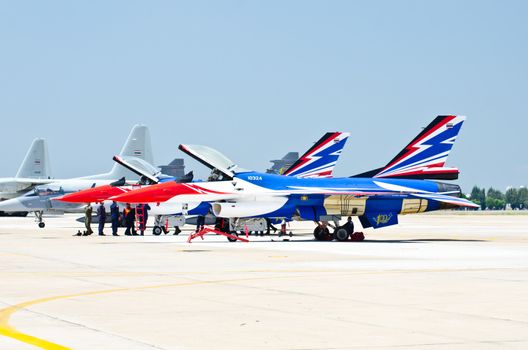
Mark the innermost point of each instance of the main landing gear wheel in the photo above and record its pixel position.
(157, 230)
(41, 224)
(341, 234)
(321, 233)
(234, 233)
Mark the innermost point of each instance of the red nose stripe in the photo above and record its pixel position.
(96, 194)
(151, 194)
(161, 193)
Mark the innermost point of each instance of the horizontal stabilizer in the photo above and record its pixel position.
(444, 198)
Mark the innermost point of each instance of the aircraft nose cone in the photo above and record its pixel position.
(12, 205)
(97, 194)
(76, 197)
(144, 195)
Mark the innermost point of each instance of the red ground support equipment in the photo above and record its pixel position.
(357, 237)
(140, 217)
(206, 229)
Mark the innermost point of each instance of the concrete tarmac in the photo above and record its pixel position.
(446, 281)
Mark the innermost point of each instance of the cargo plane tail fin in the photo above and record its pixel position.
(36, 164)
(137, 145)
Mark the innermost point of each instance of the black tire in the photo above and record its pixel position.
(341, 234)
(165, 231)
(176, 231)
(42, 224)
(319, 233)
(156, 231)
(234, 233)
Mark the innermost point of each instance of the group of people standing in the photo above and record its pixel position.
(127, 218)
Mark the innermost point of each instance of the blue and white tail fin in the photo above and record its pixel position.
(321, 158)
(36, 163)
(425, 156)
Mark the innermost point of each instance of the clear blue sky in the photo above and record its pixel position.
(258, 79)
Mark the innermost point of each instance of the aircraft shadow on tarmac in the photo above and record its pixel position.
(411, 240)
(287, 240)
(423, 240)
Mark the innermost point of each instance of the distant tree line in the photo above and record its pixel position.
(513, 198)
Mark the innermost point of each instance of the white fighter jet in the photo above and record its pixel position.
(137, 149)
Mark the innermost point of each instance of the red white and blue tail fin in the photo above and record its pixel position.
(321, 158)
(425, 156)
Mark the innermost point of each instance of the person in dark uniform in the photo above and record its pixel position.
(129, 215)
(269, 226)
(101, 216)
(177, 230)
(114, 215)
(200, 222)
(349, 226)
(143, 209)
(88, 220)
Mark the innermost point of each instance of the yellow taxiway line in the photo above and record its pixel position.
(9, 331)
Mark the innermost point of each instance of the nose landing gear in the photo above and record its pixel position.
(39, 220)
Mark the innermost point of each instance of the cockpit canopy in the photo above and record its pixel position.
(46, 190)
(142, 165)
(222, 167)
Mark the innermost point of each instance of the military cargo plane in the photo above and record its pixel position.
(137, 148)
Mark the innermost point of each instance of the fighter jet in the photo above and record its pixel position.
(280, 165)
(318, 161)
(34, 171)
(403, 186)
(137, 148)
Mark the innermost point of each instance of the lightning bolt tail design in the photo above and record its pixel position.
(321, 158)
(425, 156)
